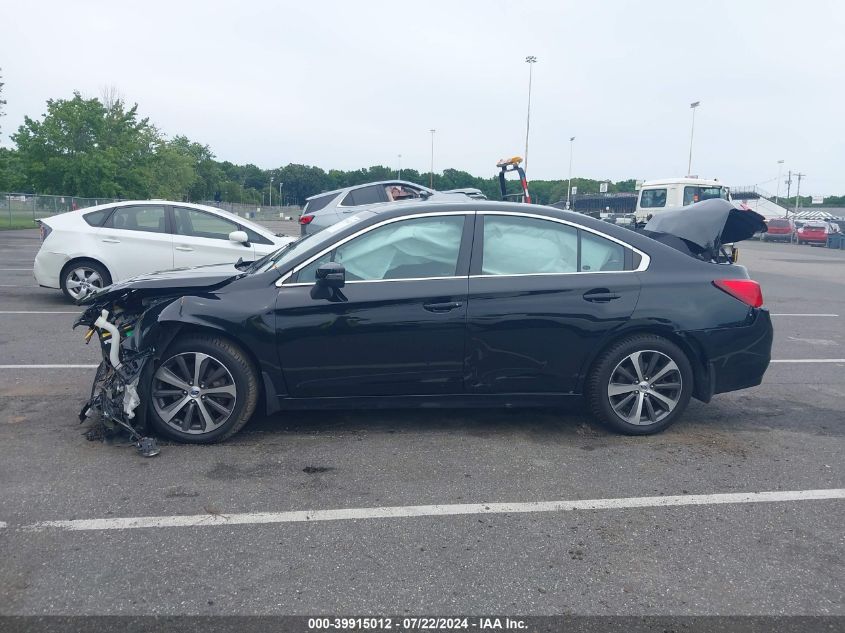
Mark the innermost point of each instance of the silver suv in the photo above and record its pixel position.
(326, 208)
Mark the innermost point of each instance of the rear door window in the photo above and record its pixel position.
(526, 246)
(653, 198)
(149, 218)
(364, 195)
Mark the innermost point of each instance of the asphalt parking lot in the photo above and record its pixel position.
(632, 556)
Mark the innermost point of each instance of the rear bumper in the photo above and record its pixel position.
(736, 357)
(48, 267)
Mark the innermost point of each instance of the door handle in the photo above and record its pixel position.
(110, 240)
(600, 295)
(442, 307)
(183, 248)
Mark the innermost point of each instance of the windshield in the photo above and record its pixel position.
(281, 258)
(698, 194)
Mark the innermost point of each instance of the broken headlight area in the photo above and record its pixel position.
(115, 404)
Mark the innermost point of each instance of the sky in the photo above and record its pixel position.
(351, 84)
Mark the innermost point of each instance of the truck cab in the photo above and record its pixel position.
(661, 195)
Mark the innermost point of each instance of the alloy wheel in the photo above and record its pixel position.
(645, 387)
(194, 393)
(82, 281)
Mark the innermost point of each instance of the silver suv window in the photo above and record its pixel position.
(315, 204)
(364, 195)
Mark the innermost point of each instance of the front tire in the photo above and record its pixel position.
(204, 390)
(640, 385)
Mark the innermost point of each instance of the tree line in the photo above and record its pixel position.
(92, 147)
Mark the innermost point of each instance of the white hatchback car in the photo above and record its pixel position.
(91, 248)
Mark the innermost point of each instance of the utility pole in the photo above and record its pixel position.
(780, 170)
(399, 175)
(530, 60)
(788, 188)
(799, 175)
(431, 178)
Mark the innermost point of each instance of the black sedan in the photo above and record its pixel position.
(425, 304)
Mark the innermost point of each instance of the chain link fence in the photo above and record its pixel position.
(21, 210)
(257, 211)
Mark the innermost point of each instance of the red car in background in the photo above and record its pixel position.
(814, 233)
(779, 230)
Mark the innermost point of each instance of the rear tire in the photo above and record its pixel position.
(81, 277)
(641, 398)
(204, 390)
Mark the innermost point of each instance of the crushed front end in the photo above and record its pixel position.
(117, 400)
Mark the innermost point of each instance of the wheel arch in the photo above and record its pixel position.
(702, 387)
(75, 261)
(187, 324)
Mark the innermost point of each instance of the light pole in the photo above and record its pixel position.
(281, 204)
(271, 191)
(530, 60)
(431, 178)
(399, 175)
(780, 170)
(693, 105)
(569, 184)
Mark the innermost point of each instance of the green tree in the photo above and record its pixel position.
(12, 174)
(82, 148)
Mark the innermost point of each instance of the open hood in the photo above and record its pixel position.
(702, 229)
(161, 283)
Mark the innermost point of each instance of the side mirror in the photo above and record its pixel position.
(239, 236)
(331, 275)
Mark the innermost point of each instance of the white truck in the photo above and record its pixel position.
(669, 193)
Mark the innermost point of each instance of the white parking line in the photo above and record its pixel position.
(784, 314)
(397, 512)
(809, 360)
(49, 366)
(15, 269)
(37, 312)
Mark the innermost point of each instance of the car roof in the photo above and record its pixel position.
(408, 207)
(191, 205)
(366, 184)
(683, 181)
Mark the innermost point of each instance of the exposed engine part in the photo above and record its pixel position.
(114, 394)
(102, 323)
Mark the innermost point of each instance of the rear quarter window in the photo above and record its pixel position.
(96, 218)
(315, 204)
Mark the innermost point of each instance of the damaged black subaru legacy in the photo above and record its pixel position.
(424, 304)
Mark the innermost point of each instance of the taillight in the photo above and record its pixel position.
(745, 290)
(306, 219)
(45, 230)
